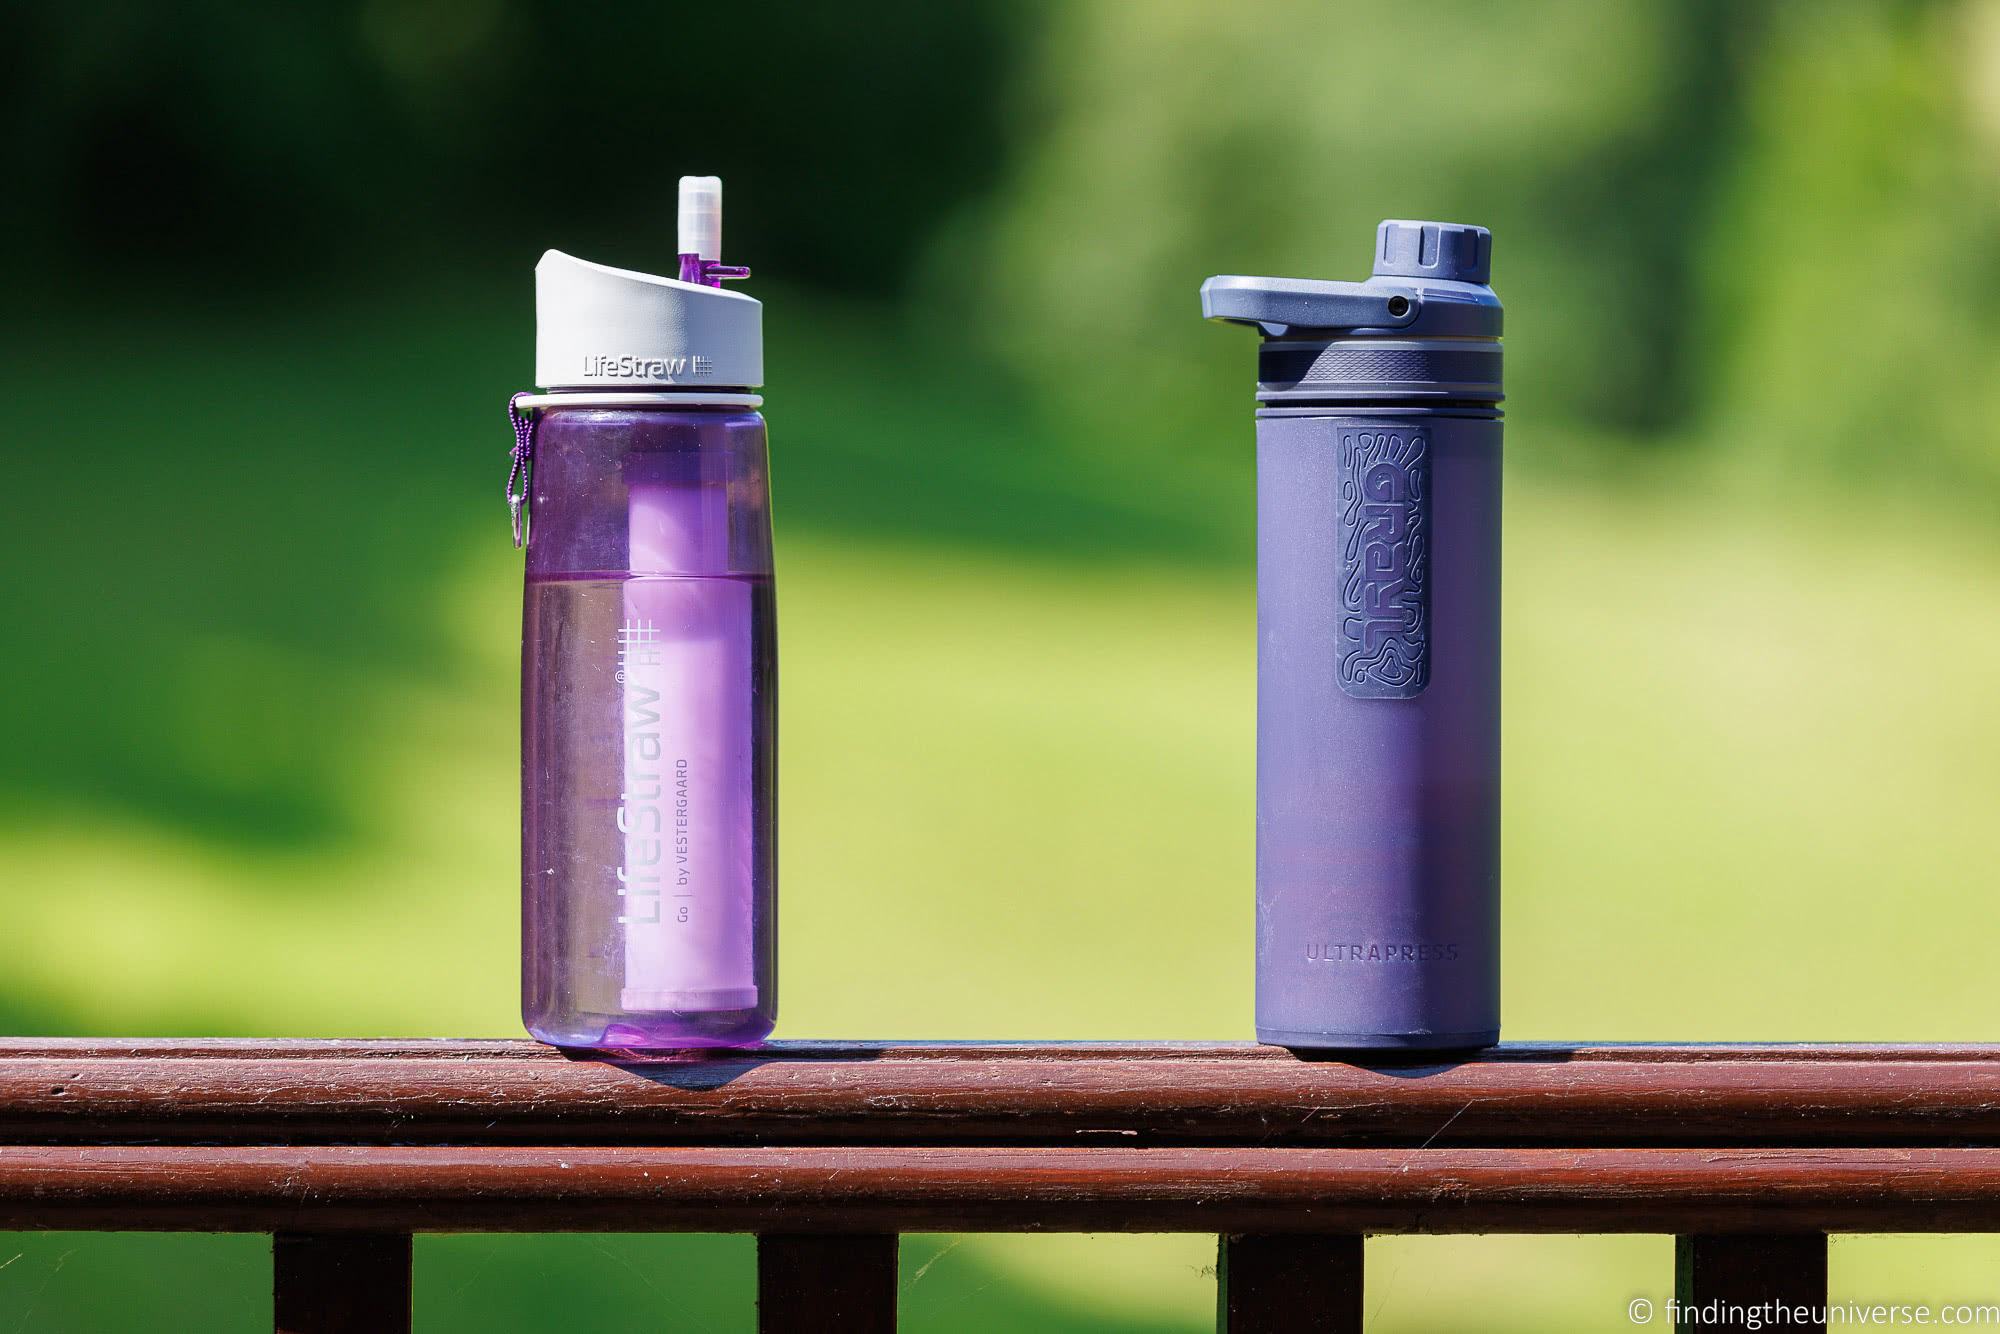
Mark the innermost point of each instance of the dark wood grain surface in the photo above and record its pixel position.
(345, 1283)
(731, 1189)
(1732, 1284)
(319, 1137)
(99, 1091)
(1288, 1283)
(826, 1284)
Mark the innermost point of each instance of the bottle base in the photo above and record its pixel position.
(1279, 1037)
(657, 1031)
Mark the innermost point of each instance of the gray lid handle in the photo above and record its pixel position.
(1307, 303)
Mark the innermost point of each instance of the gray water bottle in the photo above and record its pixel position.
(1378, 656)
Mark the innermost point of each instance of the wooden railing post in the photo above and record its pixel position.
(830, 1284)
(1726, 1283)
(1288, 1284)
(340, 1283)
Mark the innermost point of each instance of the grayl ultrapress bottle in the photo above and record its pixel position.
(649, 674)
(1378, 653)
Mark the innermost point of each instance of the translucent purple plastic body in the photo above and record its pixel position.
(649, 732)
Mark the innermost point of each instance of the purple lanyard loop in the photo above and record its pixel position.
(523, 466)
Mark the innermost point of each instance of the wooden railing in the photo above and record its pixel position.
(341, 1150)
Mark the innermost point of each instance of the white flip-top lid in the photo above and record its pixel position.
(597, 327)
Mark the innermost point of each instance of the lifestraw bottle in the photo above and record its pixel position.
(649, 667)
(1378, 657)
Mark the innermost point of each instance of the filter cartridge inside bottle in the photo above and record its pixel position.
(686, 810)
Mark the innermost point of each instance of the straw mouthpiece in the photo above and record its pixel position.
(701, 217)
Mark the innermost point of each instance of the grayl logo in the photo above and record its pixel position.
(647, 368)
(1383, 634)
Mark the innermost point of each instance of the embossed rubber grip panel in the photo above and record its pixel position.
(1383, 639)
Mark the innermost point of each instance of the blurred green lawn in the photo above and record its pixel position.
(262, 693)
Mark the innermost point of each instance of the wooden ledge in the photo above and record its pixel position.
(828, 1151)
(1077, 1095)
(374, 1188)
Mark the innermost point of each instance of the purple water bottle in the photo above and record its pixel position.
(649, 668)
(1378, 660)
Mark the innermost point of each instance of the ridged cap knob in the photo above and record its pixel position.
(1445, 251)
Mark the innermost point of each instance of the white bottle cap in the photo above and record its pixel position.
(597, 327)
(701, 217)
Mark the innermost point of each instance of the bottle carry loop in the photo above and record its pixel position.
(522, 467)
